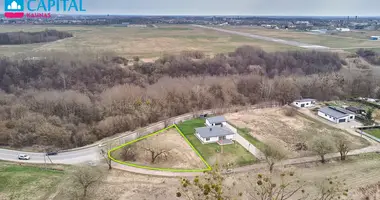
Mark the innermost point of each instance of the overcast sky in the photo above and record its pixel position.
(234, 7)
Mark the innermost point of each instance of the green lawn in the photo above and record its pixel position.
(27, 182)
(374, 132)
(234, 154)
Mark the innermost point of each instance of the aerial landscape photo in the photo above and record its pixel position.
(189, 100)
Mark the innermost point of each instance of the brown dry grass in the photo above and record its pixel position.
(180, 156)
(376, 115)
(143, 42)
(359, 171)
(272, 124)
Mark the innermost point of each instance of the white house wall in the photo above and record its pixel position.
(332, 119)
(230, 137)
(232, 129)
(212, 140)
(306, 104)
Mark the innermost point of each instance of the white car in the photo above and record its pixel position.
(23, 157)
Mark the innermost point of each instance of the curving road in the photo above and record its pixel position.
(270, 39)
(83, 155)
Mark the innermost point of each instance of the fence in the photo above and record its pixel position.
(360, 130)
(129, 136)
(247, 145)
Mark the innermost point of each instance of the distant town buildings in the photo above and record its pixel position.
(343, 29)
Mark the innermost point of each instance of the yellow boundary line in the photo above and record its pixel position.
(156, 168)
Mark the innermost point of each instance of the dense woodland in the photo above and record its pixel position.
(11, 38)
(72, 102)
(370, 55)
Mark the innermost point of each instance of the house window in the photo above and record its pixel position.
(208, 139)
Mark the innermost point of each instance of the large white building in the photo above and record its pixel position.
(336, 115)
(213, 134)
(217, 130)
(304, 103)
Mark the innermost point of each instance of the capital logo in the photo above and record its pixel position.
(14, 8)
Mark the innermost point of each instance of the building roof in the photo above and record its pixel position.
(217, 119)
(335, 112)
(304, 100)
(342, 110)
(206, 132)
(354, 109)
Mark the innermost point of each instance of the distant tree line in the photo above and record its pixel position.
(13, 38)
(73, 102)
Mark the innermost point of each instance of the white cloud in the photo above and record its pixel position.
(14, 6)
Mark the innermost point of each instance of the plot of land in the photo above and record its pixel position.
(272, 124)
(133, 41)
(233, 154)
(27, 182)
(359, 171)
(175, 152)
(323, 40)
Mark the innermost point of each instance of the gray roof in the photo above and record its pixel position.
(335, 112)
(304, 100)
(206, 132)
(342, 110)
(354, 109)
(217, 119)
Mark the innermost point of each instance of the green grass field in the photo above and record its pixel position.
(333, 41)
(147, 43)
(374, 132)
(234, 154)
(27, 182)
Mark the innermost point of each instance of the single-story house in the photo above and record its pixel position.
(356, 110)
(214, 134)
(336, 114)
(304, 103)
(216, 121)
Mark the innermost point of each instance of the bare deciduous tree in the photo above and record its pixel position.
(104, 150)
(157, 152)
(211, 186)
(322, 145)
(343, 146)
(273, 153)
(86, 177)
(331, 189)
(265, 188)
(129, 153)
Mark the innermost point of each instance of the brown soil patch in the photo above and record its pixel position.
(271, 124)
(179, 154)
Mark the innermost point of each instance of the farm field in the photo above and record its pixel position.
(323, 40)
(176, 153)
(133, 41)
(27, 182)
(233, 154)
(272, 125)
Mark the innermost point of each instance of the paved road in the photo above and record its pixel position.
(72, 157)
(270, 39)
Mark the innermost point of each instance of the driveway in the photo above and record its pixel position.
(348, 126)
